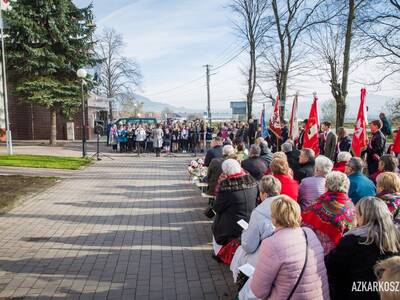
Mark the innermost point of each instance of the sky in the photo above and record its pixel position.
(173, 39)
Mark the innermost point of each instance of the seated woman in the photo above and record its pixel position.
(313, 187)
(291, 261)
(280, 170)
(260, 225)
(333, 212)
(387, 163)
(388, 189)
(235, 200)
(342, 159)
(375, 238)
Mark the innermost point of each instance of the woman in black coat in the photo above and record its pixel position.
(344, 141)
(236, 198)
(353, 260)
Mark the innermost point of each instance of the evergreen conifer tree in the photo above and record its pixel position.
(48, 40)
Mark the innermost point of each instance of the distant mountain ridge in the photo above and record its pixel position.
(154, 106)
(375, 104)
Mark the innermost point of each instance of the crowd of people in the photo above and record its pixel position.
(317, 225)
(180, 136)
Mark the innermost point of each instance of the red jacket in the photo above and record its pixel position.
(290, 187)
(340, 166)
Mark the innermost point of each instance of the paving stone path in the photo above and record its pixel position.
(131, 228)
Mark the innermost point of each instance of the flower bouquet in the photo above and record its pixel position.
(196, 169)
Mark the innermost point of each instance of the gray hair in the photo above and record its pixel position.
(231, 166)
(378, 221)
(344, 156)
(323, 166)
(228, 150)
(255, 151)
(287, 147)
(337, 182)
(356, 164)
(270, 185)
(309, 153)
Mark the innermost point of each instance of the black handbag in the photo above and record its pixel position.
(209, 212)
(302, 271)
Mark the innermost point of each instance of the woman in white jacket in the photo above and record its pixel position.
(260, 225)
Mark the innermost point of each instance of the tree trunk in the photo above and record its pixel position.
(111, 110)
(341, 104)
(282, 96)
(340, 111)
(53, 126)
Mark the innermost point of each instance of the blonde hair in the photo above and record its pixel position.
(377, 220)
(389, 182)
(279, 154)
(279, 166)
(388, 270)
(286, 212)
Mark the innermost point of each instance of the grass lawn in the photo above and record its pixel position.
(39, 161)
(13, 187)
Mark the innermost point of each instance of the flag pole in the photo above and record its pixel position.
(5, 94)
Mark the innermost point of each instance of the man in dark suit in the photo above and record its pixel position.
(292, 154)
(307, 163)
(215, 151)
(252, 131)
(329, 140)
(254, 164)
(376, 146)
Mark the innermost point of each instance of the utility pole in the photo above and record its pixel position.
(208, 93)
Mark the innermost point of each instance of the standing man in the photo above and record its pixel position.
(214, 152)
(157, 135)
(376, 146)
(252, 132)
(386, 127)
(329, 140)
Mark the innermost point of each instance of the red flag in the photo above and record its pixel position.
(294, 125)
(311, 132)
(396, 144)
(359, 142)
(274, 122)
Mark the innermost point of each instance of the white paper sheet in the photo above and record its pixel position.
(243, 224)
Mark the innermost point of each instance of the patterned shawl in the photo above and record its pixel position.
(331, 216)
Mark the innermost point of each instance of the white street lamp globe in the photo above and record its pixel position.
(82, 73)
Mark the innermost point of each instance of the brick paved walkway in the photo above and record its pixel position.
(124, 229)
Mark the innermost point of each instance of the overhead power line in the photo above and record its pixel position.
(177, 87)
(231, 59)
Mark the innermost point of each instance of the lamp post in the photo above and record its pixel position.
(5, 6)
(82, 73)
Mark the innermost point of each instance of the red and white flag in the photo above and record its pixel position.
(311, 132)
(5, 4)
(396, 144)
(359, 142)
(294, 123)
(275, 121)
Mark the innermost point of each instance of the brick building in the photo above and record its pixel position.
(32, 122)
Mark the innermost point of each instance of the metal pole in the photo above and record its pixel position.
(8, 131)
(83, 123)
(208, 94)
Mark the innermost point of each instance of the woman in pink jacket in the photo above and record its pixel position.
(291, 261)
